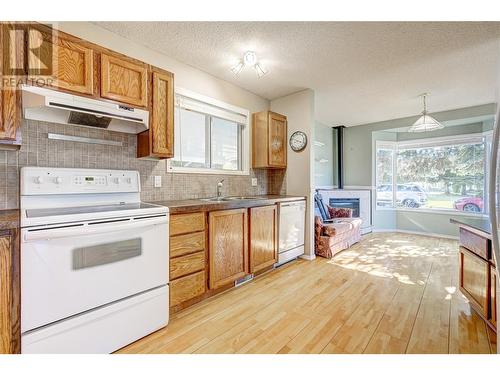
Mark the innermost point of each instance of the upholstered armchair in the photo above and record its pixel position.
(335, 229)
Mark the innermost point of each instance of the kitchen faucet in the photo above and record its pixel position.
(219, 188)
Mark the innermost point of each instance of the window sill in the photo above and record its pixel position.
(207, 171)
(434, 211)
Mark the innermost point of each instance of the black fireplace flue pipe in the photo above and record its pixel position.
(340, 155)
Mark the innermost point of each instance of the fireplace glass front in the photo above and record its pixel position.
(352, 203)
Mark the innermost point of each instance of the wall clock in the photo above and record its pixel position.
(298, 141)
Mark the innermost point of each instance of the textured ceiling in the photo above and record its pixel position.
(361, 72)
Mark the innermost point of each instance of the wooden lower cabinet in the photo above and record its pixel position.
(228, 246)
(188, 260)
(263, 237)
(493, 298)
(5, 296)
(186, 288)
(187, 243)
(187, 264)
(187, 223)
(9, 293)
(474, 280)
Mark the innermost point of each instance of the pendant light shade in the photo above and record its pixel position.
(425, 123)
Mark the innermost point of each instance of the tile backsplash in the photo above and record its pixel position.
(38, 150)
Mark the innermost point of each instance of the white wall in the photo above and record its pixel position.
(185, 76)
(299, 109)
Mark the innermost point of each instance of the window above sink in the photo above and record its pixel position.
(211, 136)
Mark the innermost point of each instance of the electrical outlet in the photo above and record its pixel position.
(157, 181)
(254, 182)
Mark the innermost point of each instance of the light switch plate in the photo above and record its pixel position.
(254, 182)
(157, 181)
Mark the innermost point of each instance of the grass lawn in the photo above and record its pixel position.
(441, 200)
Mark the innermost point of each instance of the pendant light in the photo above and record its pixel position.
(425, 123)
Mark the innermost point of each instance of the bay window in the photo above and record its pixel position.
(439, 174)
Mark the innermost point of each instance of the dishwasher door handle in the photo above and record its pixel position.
(293, 204)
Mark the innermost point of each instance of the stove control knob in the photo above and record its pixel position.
(39, 180)
(128, 180)
(116, 180)
(59, 180)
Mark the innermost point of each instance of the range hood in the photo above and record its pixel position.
(54, 106)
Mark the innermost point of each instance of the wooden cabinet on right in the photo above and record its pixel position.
(493, 293)
(263, 237)
(477, 274)
(269, 140)
(474, 280)
(158, 140)
(228, 246)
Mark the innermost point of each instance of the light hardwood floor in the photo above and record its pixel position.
(391, 293)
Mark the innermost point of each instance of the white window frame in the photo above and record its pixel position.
(430, 142)
(245, 137)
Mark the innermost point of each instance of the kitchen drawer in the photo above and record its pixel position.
(187, 243)
(187, 223)
(474, 280)
(475, 243)
(187, 264)
(187, 287)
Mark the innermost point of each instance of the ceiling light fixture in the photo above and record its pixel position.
(260, 70)
(237, 68)
(249, 59)
(425, 123)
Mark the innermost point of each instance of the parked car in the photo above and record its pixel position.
(407, 195)
(469, 204)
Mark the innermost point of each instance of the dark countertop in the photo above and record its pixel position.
(196, 205)
(480, 224)
(9, 219)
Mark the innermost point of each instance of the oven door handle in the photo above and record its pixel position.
(92, 229)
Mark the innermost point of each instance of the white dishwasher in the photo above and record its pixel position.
(291, 230)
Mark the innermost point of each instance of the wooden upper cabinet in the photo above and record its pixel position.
(263, 237)
(277, 140)
(158, 141)
(10, 98)
(228, 246)
(269, 140)
(162, 124)
(124, 81)
(72, 62)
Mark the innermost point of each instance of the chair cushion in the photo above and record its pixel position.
(336, 212)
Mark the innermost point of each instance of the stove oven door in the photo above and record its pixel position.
(73, 268)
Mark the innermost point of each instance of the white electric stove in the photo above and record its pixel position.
(94, 261)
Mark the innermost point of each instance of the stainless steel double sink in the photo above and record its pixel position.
(228, 199)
